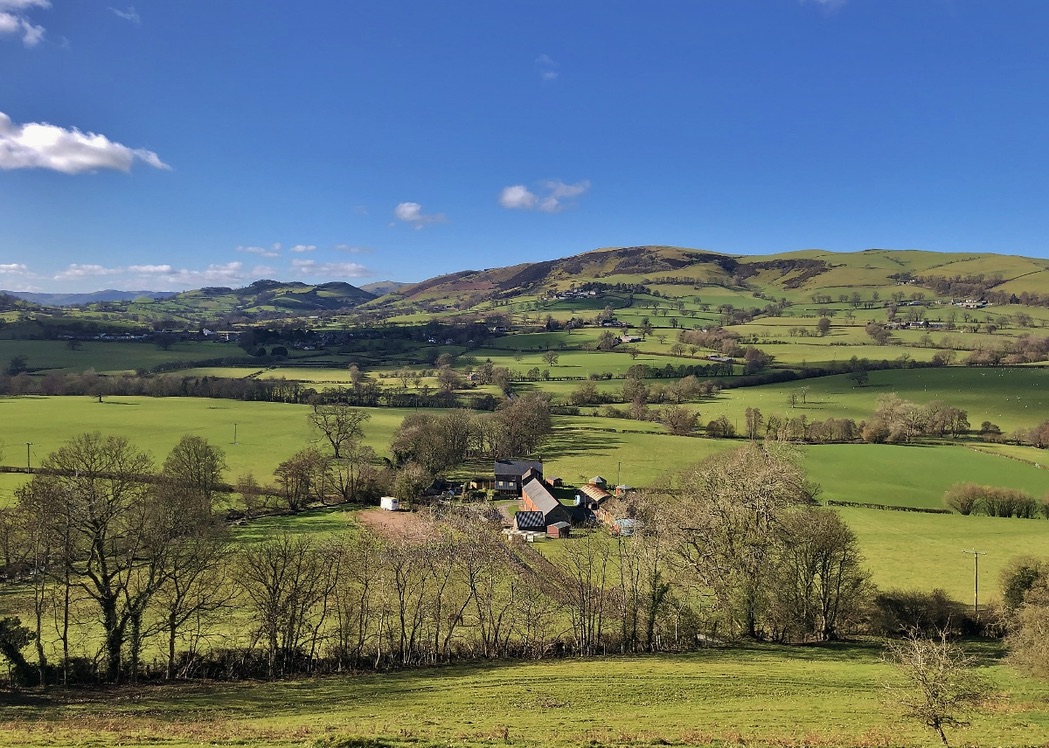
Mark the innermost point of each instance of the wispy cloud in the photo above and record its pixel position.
(227, 273)
(351, 248)
(272, 251)
(38, 145)
(13, 268)
(552, 196)
(128, 15)
(76, 271)
(314, 269)
(413, 213)
(14, 20)
(301, 248)
(826, 4)
(547, 68)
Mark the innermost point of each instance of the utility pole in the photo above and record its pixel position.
(234, 433)
(976, 579)
(28, 461)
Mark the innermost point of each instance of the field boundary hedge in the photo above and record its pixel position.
(888, 507)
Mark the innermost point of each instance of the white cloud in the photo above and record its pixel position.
(413, 213)
(262, 251)
(13, 268)
(313, 268)
(300, 248)
(128, 15)
(13, 20)
(553, 196)
(230, 272)
(38, 145)
(86, 271)
(547, 67)
(150, 269)
(518, 197)
(352, 249)
(827, 4)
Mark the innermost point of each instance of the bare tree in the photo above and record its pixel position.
(941, 683)
(287, 582)
(726, 511)
(303, 478)
(91, 492)
(339, 424)
(192, 474)
(194, 586)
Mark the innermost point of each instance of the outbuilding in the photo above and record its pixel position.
(558, 530)
(390, 503)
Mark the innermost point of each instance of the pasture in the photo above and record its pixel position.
(757, 696)
(1010, 397)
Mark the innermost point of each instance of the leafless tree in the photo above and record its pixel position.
(339, 424)
(91, 492)
(942, 685)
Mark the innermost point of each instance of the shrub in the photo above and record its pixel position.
(900, 612)
(963, 498)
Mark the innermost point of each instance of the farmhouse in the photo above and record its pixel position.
(508, 474)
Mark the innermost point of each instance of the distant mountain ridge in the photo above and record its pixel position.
(80, 299)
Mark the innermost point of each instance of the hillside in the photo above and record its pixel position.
(262, 299)
(802, 276)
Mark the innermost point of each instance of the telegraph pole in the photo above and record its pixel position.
(234, 433)
(28, 460)
(976, 579)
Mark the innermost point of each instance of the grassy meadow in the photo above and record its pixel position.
(750, 696)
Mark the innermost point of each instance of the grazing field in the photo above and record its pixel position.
(267, 433)
(913, 475)
(914, 551)
(109, 357)
(754, 696)
(1009, 397)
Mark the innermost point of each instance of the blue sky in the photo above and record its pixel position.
(172, 145)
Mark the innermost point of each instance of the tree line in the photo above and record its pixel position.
(129, 579)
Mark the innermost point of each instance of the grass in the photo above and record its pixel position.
(912, 475)
(909, 550)
(759, 696)
(1010, 397)
(267, 433)
(108, 357)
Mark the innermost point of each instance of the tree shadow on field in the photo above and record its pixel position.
(118, 402)
(567, 443)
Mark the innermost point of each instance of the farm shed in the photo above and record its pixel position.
(390, 503)
(558, 530)
(509, 474)
(593, 496)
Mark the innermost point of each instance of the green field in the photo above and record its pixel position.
(757, 696)
(1010, 397)
(109, 357)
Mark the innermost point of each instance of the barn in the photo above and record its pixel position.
(535, 497)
